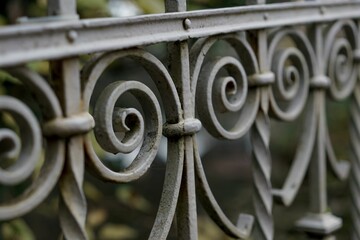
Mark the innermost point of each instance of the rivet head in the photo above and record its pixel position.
(322, 10)
(266, 16)
(72, 36)
(187, 24)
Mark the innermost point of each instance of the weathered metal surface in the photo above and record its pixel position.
(287, 58)
(208, 95)
(355, 168)
(260, 138)
(52, 40)
(65, 75)
(72, 207)
(31, 141)
(186, 213)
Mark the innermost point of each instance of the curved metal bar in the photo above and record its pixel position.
(301, 161)
(301, 41)
(231, 93)
(245, 223)
(170, 193)
(107, 122)
(158, 72)
(51, 107)
(202, 47)
(55, 150)
(339, 53)
(293, 67)
(30, 136)
(340, 168)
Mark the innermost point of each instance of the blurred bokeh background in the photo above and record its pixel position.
(127, 211)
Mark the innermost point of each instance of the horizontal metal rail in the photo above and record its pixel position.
(54, 40)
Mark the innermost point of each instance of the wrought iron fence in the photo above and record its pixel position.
(289, 58)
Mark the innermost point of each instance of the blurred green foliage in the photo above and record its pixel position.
(17, 230)
(92, 8)
(11, 10)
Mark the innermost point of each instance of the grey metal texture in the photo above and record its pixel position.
(289, 58)
(54, 40)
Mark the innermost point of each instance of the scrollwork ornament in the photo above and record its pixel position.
(222, 94)
(30, 135)
(229, 93)
(26, 148)
(113, 122)
(293, 66)
(245, 222)
(215, 92)
(340, 46)
(314, 110)
(123, 130)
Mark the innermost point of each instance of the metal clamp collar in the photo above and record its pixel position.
(320, 81)
(184, 128)
(261, 79)
(70, 126)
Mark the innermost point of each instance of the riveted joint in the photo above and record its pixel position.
(187, 127)
(261, 79)
(72, 35)
(320, 81)
(70, 126)
(187, 24)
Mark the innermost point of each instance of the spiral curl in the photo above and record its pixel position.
(31, 142)
(122, 130)
(293, 67)
(339, 55)
(125, 128)
(221, 86)
(26, 147)
(10, 144)
(224, 94)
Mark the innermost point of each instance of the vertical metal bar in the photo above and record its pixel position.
(186, 210)
(175, 5)
(260, 137)
(318, 198)
(355, 161)
(354, 180)
(62, 8)
(319, 223)
(72, 202)
(179, 68)
(66, 77)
